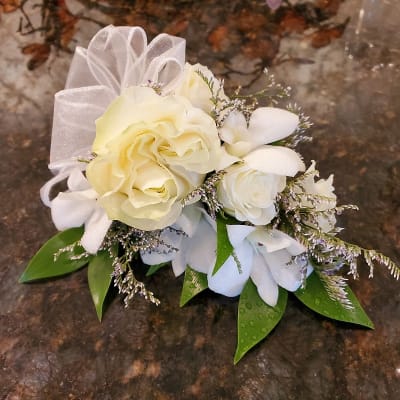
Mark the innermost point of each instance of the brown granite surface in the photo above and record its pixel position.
(51, 344)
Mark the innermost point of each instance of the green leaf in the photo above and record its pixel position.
(256, 319)
(224, 247)
(154, 268)
(194, 283)
(99, 277)
(315, 297)
(43, 265)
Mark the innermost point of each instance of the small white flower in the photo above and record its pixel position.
(266, 125)
(325, 190)
(275, 264)
(267, 256)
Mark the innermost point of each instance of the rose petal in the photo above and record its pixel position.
(269, 124)
(122, 112)
(275, 160)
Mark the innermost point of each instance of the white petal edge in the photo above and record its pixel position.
(70, 210)
(201, 248)
(96, 228)
(271, 239)
(237, 233)
(275, 160)
(229, 281)
(269, 124)
(77, 181)
(286, 273)
(266, 286)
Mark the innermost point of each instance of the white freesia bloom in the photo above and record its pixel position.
(264, 255)
(325, 190)
(197, 248)
(275, 264)
(248, 190)
(267, 256)
(78, 206)
(266, 125)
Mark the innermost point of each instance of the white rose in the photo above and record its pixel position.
(248, 190)
(248, 194)
(151, 152)
(193, 87)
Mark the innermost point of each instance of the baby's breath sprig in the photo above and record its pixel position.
(329, 252)
(222, 105)
(156, 86)
(87, 158)
(273, 92)
(130, 241)
(335, 286)
(75, 250)
(207, 193)
(128, 286)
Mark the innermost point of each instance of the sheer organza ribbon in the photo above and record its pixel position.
(116, 58)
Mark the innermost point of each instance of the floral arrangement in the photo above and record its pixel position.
(162, 167)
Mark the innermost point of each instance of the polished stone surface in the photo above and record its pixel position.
(51, 344)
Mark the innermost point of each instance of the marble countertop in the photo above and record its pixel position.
(51, 343)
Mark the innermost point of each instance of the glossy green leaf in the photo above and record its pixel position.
(315, 297)
(43, 265)
(154, 268)
(194, 283)
(256, 319)
(224, 247)
(99, 278)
